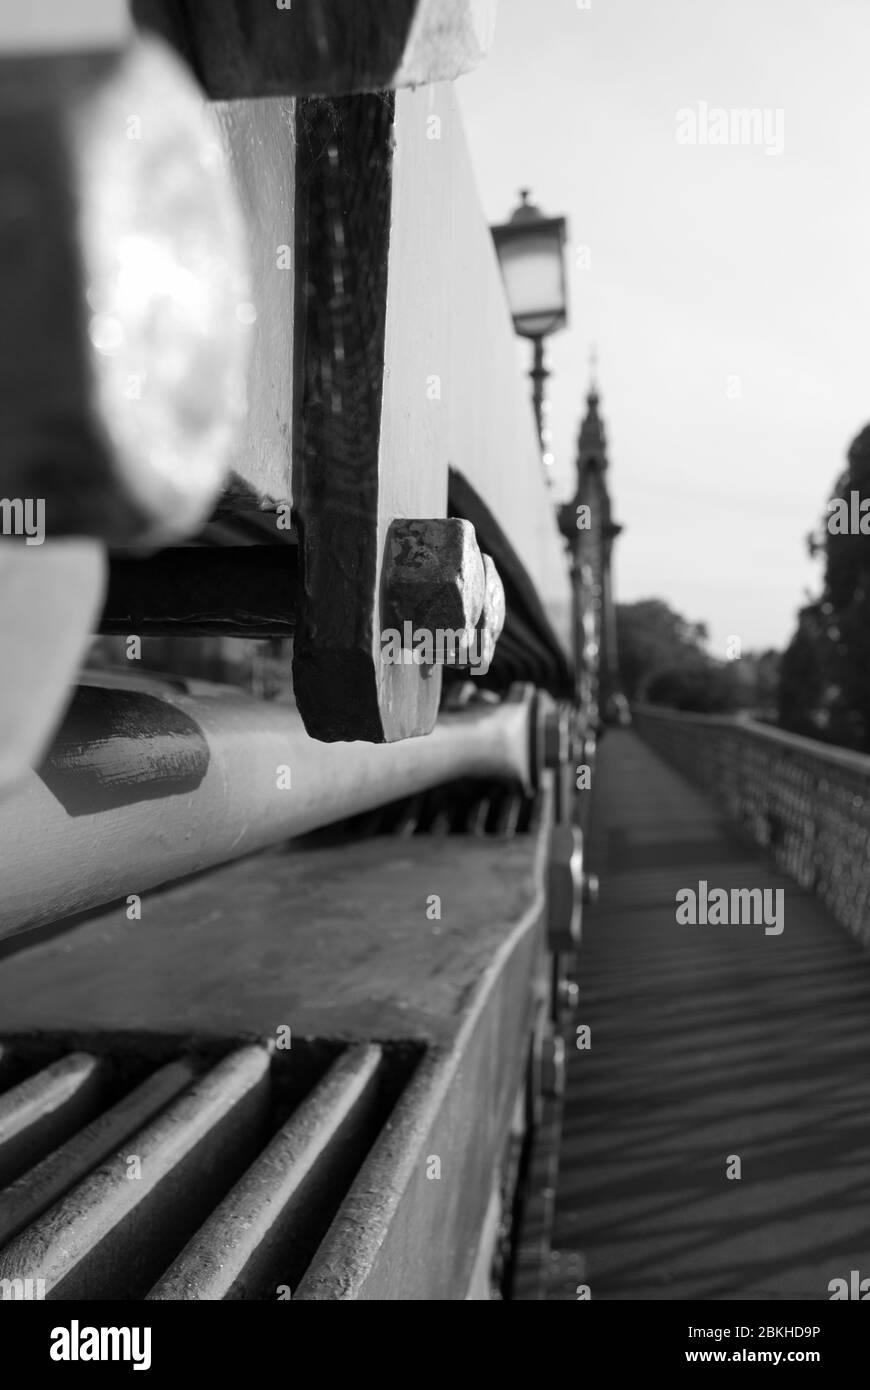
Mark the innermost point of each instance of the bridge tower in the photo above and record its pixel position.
(589, 529)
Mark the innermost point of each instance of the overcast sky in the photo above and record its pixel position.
(727, 288)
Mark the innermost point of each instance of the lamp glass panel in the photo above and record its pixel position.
(532, 269)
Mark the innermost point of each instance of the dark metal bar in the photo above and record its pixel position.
(538, 374)
(233, 591)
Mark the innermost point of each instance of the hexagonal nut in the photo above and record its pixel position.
(479, 654)
(434, 579)
(126, 390)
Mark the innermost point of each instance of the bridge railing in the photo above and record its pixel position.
(806, 803)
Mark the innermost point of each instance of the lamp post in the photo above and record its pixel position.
(530, 250)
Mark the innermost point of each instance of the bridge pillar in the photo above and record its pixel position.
(587, 524)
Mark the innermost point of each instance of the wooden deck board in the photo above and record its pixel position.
(708, 1041)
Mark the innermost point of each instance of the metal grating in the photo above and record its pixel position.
(198, 1177)
(466, 807)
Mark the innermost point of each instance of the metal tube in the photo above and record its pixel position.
(142, 787)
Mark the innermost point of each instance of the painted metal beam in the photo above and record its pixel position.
(141, 788)
(402, 1231)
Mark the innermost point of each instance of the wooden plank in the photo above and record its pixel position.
(241, 48)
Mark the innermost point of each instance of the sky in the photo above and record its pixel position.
(726, 287)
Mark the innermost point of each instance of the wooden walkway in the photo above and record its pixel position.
(708, 1042)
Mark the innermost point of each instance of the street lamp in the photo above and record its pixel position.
(530, 250)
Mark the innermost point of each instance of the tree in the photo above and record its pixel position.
(801, 706)
(846, 605)
(653, 639)
(825, 686)
(663, 659)
(703, 689)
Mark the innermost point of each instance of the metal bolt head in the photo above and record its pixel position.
(557, 746)
(564, 879)
(138, 384)
(434, 578)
